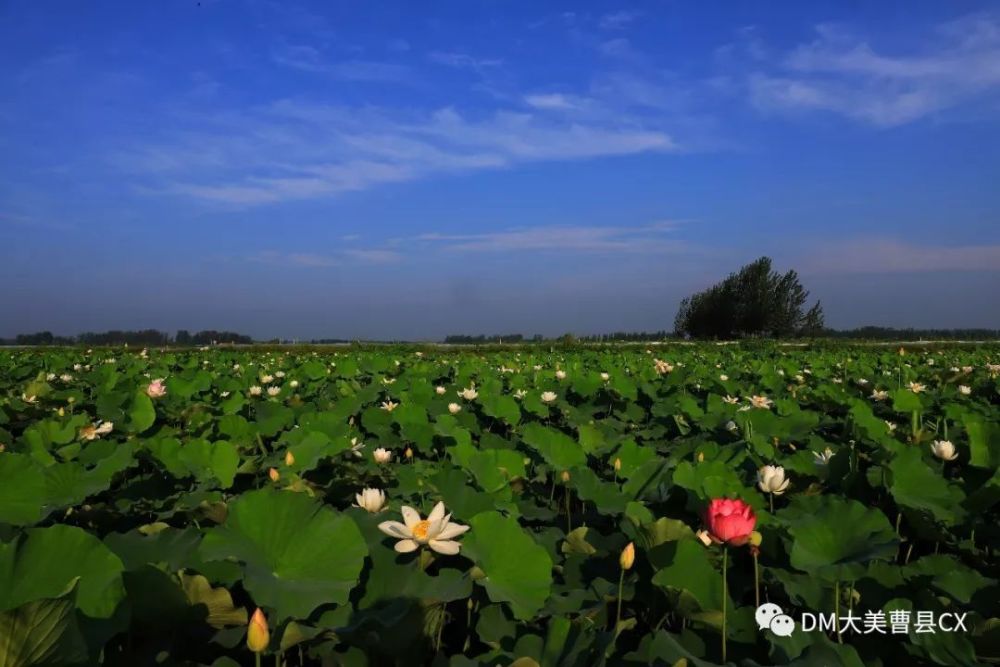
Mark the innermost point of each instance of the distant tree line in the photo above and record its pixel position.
(891, 333)
(143, 337)
(627, 336)
(459, 339)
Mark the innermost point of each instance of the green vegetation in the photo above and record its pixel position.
(146, 521)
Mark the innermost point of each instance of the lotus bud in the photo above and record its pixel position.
(701, 457)
(618, 464)
(408, 453)
(756, 538)
(565, 476)
(274, 474)
(627, 557)
(258, 636)
(289, 458)
(704, 537)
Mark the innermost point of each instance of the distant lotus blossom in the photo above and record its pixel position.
(389, 406)
(916, 387)
(662, 366)
(761, 402)
(94, 431)
(822, 459)
(439, 390)
(266, 379)
(156, 389)
(771, 479)
(731, 400)
(966, 369)
(224, 394)
(66, 377)
(469, 393)
(279, 374)
(50, 377)
(724, 377)
(944, 450)
(356, 447)
(520, 393)
(548, 396)
(891, 426)
(964, 390)
(388, 380)
(537, 367)
(731, 426)
(77, 367)
(273, 391)
(294, 384)
(862, 381)
(560, 375)
(255, 390)
(880, 395)
(454, 408)
(382, 455)
(605, 376)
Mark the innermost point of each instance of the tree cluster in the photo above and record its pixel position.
(755, 301)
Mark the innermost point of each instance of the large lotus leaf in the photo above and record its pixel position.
(214, 605)
(518, 569)
(141, 414)
(46, 561)
(688, 569)
(41, 632)
(502, 407)
(558, 449)
(834, 537)
(22, 489)
(296, 554)
(708, 479)
(983, 438)
(916, 485)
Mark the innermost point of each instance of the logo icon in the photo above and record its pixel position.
(770, 616)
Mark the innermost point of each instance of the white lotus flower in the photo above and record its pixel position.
(891, 426)
(879, 395)
(944, 450)
(731, 400)
(605, 376)
(273, 391)
(279, 374)
(439, 390)
(724, 377)
(469, 393)
(537, 367)
(294, 384)
(761, 402)
(520, 393)
(560, 374)
(255, 390)
(372, 500)
(224, 394)
(916, 387)
(454, 408)
(356, 447)
(966, 369)
(548, 396)
(389, 406)
(823, 458)
(382, 455)
(436, 531)
(50, 377)
(266, 379)
(662, 366)
(77, 367)
(731, 426)
(66, 377)
(964, 390)
(771, 479)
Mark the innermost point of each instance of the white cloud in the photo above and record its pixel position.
(839, 73)
(556, 101)
(462, 60)
(570, 238)
(618, 20)
(885, 255)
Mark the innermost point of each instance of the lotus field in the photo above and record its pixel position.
(681, 504)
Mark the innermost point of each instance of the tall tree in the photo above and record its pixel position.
(754, 301)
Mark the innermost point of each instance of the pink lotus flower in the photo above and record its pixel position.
(730, 521)
(156, 389)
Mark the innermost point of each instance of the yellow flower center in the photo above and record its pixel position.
(420, 529)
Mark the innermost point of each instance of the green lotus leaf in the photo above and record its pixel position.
(558, 449)
(517, 569)
(42, 632)
(296, 554)
(45, 561)
(916, 485)
(834, 537)
(22, 489)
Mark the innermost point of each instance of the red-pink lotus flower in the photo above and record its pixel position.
(156, 389)
(730, 521)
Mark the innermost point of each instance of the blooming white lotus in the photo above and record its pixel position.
(771, 479)
(356, 447)
(382, 455)
(731, 400)
(605, 376)
(454, 408)
(294, 384)
(761, 402)
(560, 374)
(372, 500)
(878, 395)
(520, 393)
(724, 377)
(469, 393)
(439, 390)
(94, 431)
(916, 387)
(823, 458)
(66, 377)
(273, 391)
(389, 406)
(436, 531)
(266, 379)
(964, 390)
(548, 396)
(662, 366)
(255, 390)
(944, 450)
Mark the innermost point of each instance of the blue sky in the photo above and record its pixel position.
(417, 169)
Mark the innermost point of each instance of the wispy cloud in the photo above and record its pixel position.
(292, 150)
(886, 255)
(318, 260)
(310, 59)
(650, 238)
(463, 60)
(840, 73)
(618, 20)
